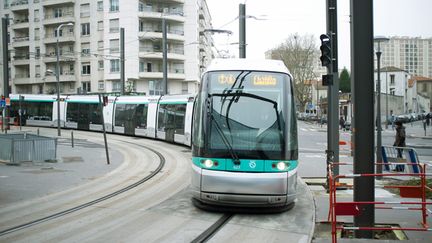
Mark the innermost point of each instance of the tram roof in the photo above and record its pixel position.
(247, 64)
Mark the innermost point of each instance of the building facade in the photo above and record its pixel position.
(411, 54)
(88, 36)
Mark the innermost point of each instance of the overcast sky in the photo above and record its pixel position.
(284, 17)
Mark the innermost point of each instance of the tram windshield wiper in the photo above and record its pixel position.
(233, 154)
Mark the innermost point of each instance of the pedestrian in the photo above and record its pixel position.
(399, 142)
(342, 123)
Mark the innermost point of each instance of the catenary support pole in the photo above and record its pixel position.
(242, 30)
(165, 57)
(6, 90)
(363, 96)
(122, 60)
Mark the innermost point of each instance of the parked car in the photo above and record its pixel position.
(403, 118)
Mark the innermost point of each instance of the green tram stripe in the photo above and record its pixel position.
(32, 100)
(173, 102)
(246, 165)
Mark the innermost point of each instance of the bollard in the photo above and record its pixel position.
(38, 131)
(25, 135)
(72, 138)
(424, 126)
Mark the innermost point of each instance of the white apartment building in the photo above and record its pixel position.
(411, 54)
(89, 44)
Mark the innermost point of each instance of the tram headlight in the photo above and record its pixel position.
(281, 166)
(208, 163)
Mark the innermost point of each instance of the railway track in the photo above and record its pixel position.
(95, 201)
(213, 229)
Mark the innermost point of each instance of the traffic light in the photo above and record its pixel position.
(325, 50)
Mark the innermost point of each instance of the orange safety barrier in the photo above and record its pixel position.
(354, 208)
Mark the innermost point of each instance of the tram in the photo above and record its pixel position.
(245, 147)
(166, 117)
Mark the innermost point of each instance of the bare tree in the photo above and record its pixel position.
(300, 55)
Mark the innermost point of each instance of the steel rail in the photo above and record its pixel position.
(213, 229)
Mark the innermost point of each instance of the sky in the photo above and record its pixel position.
(280, 18)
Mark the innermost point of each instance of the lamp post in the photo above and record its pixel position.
(379, 39)
(58, 76)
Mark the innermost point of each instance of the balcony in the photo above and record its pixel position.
(154, 53)
(57, 2)
(57, 20)
(20, 41)
(22, 79)
(177, 35)
(20, 60)
(66, 37)
(173, 74)
(20, 24)
(159, 13)
(19, 5)
(64, 57)
(64, 77)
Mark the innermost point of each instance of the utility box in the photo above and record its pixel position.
(22, 147)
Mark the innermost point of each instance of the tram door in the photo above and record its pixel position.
(125, 117)
(171, 120)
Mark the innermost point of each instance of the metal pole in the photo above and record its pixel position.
(122, 61)
(58, 81)
(378, 118)
(242, 31)
(20, 111)
(165, 57)
(103, 127)
(6, 90)
(333, 90)
(72, 139)
(363, 97)
(387, 116)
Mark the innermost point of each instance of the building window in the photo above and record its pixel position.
(141, 66)
(155, 87)
(85, 10)
(114, 25)
(101, 85)
(85, 29)
(100, 64)
(60, 33)
(185, 88)
(58, 12)
(392, 79)
(71, 69)
(100, 6)
(100, 45)
(100, 25)
(115, 66)
(36, 15)
(424, 88)
(36, 34)
(85, 49)
(37, 51)
(116, 86)
(114, 46)
(114, 5)
(86, 86)
(85, 69)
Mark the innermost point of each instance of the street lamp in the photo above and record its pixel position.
(378, 40)
(58, 76)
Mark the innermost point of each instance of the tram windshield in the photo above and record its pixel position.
(247, 112)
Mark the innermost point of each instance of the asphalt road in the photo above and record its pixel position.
(313, 143)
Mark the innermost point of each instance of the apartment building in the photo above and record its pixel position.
(408, 53)
(88, 37)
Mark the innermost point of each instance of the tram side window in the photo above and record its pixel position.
(38, 110)
(120, 115)
(172, 116)
(95, 115)
(141, 116)
(72, 113)
(33, 110)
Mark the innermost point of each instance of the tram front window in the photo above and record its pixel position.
(247, 110)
